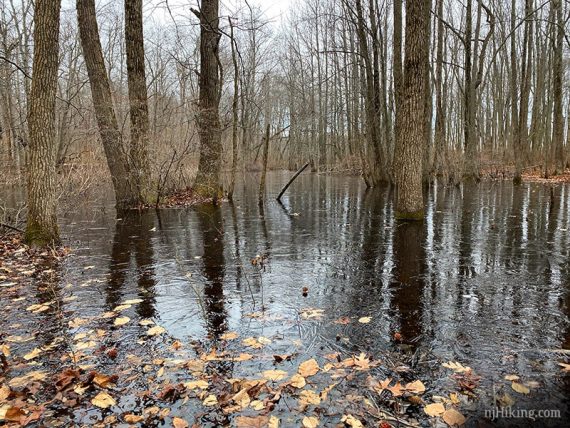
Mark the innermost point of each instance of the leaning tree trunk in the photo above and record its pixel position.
(138, 100)
(103, 105)
(208, 180)
(410, 115)
(41, 227)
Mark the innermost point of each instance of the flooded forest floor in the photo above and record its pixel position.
(322, 311)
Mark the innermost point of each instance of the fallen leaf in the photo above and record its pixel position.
(155, 331)
(179, 423)
(351, 421)
(342, 321)
(132, 302)
(310, 422)
(453, 418)
(210, 400)
(512, 377)
(275, 375)
(121, 321)
(309, 397)
(195, 384)
(103, 400)
(18, 382)
(297, 381)
(133, 419)
(416, 387)
(252, 421)
(231, 335)
(565, 367)
(456, 367)
(308, 368)
(434, 410)
(273, 422)
(33, 354)
(520, 388)
(364, 320)
(4, 393)
(310, 313)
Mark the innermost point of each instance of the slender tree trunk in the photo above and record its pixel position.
(557, 87)
(41, 227)
(208, 180)
(471, 165)
(234, 111)
(138, 100)
(410, 115)
(440, 132)
(265, 159)
(103, 105)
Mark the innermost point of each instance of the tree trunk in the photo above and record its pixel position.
(138, 100)
(265, 158)
(410, 120)
(41, 227)
(234, 112)
(558, 74)
(103, 105)
(208, 180)
(440, 132)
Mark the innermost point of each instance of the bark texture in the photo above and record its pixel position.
(138, 100)
(102, 102)
(208, 181)
(410, 120)
(41, 227)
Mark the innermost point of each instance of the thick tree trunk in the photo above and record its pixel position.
(234, 112)
(138, 100)
(103, 105)
(41, 227)
(410, 119)
(558, 74)
(208, 180)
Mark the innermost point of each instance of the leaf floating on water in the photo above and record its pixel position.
(132, 302)
(195, 384)
(434, 410)
(33, 354)
(179, 423)
(155, 331)
(18, 382)
(308, 368)
(146, 322)
(520, 388)
(456, 367)
(565, 367)
(416, 387)
(512, 377)
(311, 313)
(453, 418)
(309, 397)
(121, 321)
(364, 320)
(310, 422)
(275, 375)
(121, 308)
(103, 400)
(133, 419)
(254, 343)
(273, 422)
(231, 335)
(351, 421)
(5, 350)
(297, 381)
(77, 322)
(210, 400)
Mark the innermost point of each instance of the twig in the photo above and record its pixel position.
(7, 226)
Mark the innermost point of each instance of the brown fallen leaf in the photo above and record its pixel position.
(308, 397)
(520, 388)
(230, 335)
(273, 422)
(133, 419)
(453, 418)
(351, 421)
(565, 367)
(179, 423)
(155, 331)
(512, 377)
(434, 410)
(252, 421)
(103, 400)
(297, 381)
(364, 320)
(416, 387)
(456, 367)
(310, 422)
(210, 400)
(275, 375)
(308, 368)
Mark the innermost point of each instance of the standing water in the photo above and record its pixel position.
(483, 281)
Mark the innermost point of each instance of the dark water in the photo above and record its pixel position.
(483, 281)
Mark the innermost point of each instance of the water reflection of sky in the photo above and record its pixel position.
(483, 279)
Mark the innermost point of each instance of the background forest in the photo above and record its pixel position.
(324, 76)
